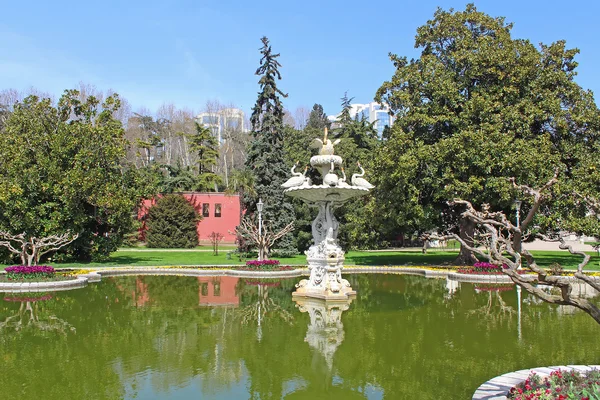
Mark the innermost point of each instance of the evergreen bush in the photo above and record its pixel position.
(172, 223)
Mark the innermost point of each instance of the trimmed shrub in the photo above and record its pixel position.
(172, 223)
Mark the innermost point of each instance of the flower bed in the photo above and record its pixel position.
(24, 272)
(265, 265)
(482, 268)
(558, 386)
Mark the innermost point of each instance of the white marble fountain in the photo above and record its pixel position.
(325, 257)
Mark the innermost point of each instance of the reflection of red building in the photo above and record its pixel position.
(220, 213)
(217, 291)
(140, 295)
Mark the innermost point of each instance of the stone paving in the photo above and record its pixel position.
(497, 388)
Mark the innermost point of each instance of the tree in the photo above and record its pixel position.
(265, 154)
(172, 223)
(263, 239)
(31, 249)
(358, 144)
(215, 239)
(317, 119)
(63, 169)
(498, 235)
(207, 149)
(476, 107)
(178, 179)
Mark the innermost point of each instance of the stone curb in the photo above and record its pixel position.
(78, 282)
(199, 272)
(497, 388)
(96, 276)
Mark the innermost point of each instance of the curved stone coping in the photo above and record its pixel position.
(497, 388)
(476, 278)
(205, 271)
(78, 282)
(97, 275)
(430, 273)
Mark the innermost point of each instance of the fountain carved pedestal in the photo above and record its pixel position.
(325, 257)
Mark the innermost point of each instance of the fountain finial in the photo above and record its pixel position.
(325, 146)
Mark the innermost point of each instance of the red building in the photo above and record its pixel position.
(220, 213)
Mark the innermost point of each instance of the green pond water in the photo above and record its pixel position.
(159, 337)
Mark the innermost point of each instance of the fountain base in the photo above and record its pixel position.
(325, 281)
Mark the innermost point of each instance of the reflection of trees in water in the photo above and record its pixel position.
(403, 331)
(258, 306)
(31, 316)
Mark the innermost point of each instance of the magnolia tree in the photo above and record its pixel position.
(30, 249)
(497, 234)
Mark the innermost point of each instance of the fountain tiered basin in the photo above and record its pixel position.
(325, 257)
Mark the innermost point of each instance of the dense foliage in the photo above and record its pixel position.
(477, 107)
(206, 147)
(172, 223)
(265, 153)
(63, 169)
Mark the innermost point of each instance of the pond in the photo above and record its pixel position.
(156, 337)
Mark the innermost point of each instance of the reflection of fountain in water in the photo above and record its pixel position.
(325, 331)
(452, 287)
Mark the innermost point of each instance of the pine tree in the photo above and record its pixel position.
(317, 119)
(207, 148)
(265, 154)
(345, 118)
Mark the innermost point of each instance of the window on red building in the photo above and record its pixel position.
(205, 209)
(217, 210)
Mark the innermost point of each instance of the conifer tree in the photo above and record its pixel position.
(265, 154)
(172, 223)
(317, 119)
(207, 148)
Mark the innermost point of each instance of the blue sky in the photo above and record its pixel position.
(187, 52)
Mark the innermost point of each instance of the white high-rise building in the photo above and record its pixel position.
(372, 112)
(226, 119)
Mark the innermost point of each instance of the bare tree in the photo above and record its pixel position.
(301, 116)
(31, 249)
(8, 97)
(215, 239)
(288, 119)
(265, 239)
(499, 234)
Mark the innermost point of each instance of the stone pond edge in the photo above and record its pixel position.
(96, 275)
(497, 388)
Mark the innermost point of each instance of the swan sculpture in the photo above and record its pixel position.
(297, 180)
(330, 179)
(357, 179)
(325, 146)
(342, 181)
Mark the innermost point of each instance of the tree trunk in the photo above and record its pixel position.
(467, 232)
(517, 238)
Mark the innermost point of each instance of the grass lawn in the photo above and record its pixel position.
(433, 257)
